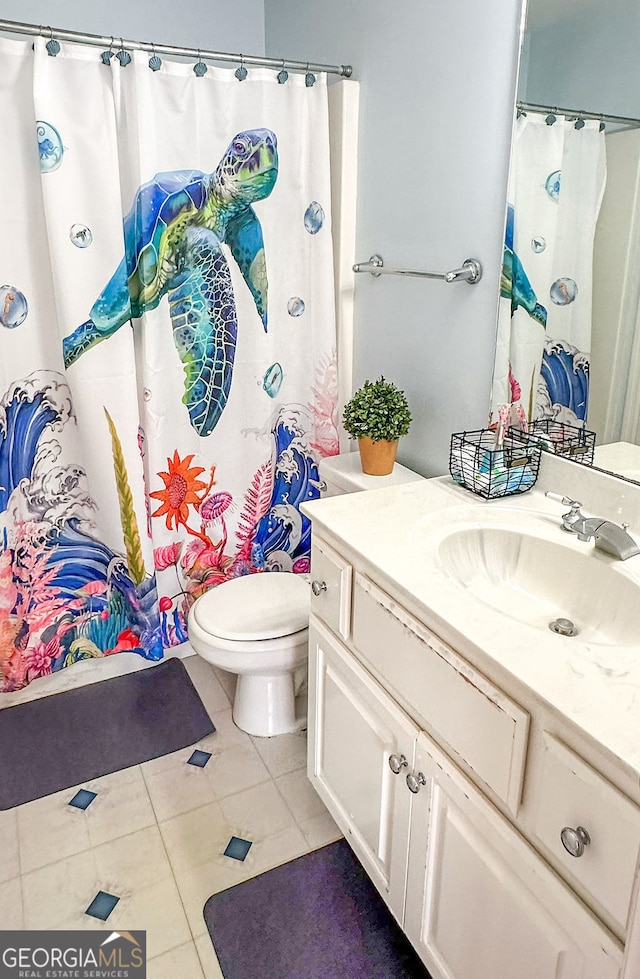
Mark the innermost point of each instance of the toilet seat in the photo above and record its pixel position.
(257, 607)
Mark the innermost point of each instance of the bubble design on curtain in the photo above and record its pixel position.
(272, 381)
(314, 218)
(50, 146)
(295, 306)
(563, 291)
(552, 185)
(13, 307)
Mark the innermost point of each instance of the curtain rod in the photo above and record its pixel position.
(105, 41)
(598, 116)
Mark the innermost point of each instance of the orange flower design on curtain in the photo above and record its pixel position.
(182, 489)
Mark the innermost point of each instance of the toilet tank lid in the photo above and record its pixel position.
(266, 605)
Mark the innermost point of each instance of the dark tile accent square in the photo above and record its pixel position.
(199, 758)
(102, 905)
(237, 849)
(83, 799)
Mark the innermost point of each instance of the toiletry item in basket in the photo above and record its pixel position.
(511, 479)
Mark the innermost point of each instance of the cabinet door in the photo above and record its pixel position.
(487, 906)
(355, 731)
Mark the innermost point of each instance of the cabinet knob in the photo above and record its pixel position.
(317, 587)
(575, 840)
(396, 762)
(415, 781)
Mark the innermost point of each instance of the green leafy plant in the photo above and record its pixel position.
(378, 410)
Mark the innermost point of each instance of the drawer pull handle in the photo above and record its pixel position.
(322, 486)
(415, 781)
(317, 587)
(397, 762)
(575, 840)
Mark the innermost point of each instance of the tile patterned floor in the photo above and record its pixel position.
(154, 837)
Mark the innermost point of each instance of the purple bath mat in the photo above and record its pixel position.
(53, 743)
(317, 917)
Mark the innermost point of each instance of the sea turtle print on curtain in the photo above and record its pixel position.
(173, 236)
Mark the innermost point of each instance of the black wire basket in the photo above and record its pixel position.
(563, 439)
(476, 464)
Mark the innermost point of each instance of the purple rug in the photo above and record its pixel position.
(53, 743)
(317, 917)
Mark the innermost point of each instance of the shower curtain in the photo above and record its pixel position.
(556, 184)
(167, 343)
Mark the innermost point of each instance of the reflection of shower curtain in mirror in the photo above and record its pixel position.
(556, 185)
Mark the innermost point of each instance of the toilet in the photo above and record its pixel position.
(256, 626)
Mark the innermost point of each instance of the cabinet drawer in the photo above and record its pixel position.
(461, 707)
(331, 588)
(570, 794)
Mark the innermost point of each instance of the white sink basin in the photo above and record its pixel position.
(522, 565)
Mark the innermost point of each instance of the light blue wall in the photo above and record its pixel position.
(437, 91)
(587, 59)
(214, 24)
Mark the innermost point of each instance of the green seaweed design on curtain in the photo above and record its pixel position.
(128, 518)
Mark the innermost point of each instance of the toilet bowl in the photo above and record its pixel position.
(256, 626)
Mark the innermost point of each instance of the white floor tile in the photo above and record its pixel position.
(228, 681)
(208, 957)
(197, 884)
(283, 754)
(11, 910)
(256, 813)
(156, 909)
(180, 963)
(300, 796)
(237, 768)
(130, 862)
(56, 896)
(122, 806)
(196, 836)
(226, 731)
(49, 830)
(210, 690)
(178, 790)
(320, 830)
(9, 850)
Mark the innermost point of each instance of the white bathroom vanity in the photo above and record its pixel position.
(464, 748)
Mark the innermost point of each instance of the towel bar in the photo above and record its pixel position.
(470, 271)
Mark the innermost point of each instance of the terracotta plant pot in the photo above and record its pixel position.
(377, 458)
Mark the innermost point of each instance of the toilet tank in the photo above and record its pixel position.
(343, 474)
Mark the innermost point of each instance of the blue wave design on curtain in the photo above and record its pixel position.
(25, 422)
(567, 383)
(294, 483)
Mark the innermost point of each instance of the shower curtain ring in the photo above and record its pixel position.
(53, 46)
(241, 72)
(309, 78)
(123, 56)
(106, 56)
(282, 75)
(154, 61)
(199, 69)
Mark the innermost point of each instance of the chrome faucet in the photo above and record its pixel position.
(607, 536)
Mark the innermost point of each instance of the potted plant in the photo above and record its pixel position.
(377, 415)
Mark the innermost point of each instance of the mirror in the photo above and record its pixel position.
(581, 55)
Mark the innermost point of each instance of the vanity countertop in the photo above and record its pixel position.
(595, 686)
